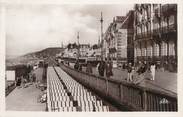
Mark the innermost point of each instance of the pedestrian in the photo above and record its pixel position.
(129, 70)
(34, 77)
(133, 73)
(18, 81)
(97, 67)
(142, 69)
(76, 66)
(101, 68)
(30, 78)
(89, 68)
(23, 82)
(145, 66)
(153, 70)
(109, 72)
(123, 66)
(138, 67)
(80, 67)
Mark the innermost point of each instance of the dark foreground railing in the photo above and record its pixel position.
(124, 94)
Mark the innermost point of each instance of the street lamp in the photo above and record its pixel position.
(101, 22)
(78, 46)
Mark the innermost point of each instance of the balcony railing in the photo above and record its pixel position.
(165, 29)
(144, 35)
(156, 32)
(169, 9)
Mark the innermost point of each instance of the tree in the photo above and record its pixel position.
(69, 46)
(74, 45)
(95, 46)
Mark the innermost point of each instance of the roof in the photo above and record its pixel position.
(119, 18)
(128, 22)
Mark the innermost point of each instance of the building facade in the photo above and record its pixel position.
(118, 38)
(84, 49)
(72, 50)
(155, 36)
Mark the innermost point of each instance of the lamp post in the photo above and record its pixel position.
(101, 22)
(78, 46)
(102, 41)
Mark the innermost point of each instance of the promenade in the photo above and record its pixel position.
(25, 99)
(164, 81)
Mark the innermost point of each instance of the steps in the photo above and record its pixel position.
(65, 94)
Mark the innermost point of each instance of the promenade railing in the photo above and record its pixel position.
(125, 95)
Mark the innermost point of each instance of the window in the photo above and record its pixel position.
(171, 48)
(149, 26)
(139, 52)
(149, 50)
(163, 49)
(171, 20)
(156, 49)
(138, 30)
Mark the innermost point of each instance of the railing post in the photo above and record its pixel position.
(120, 92)
(97, 83)
(107, 90)
(144, 100)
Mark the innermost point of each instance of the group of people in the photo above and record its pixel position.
(20, 81)
(23, 80)
(77, 66)
(139, 70)
(105, 68)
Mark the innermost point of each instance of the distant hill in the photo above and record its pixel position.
(48, 52)
(34, 56)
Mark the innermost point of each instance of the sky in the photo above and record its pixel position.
(32, 28)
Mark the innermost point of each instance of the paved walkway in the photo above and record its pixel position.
(164, 81)
(25, 99)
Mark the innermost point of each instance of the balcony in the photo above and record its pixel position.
(156, 32)
(169, 9)
(144, 35)
(164, 30)
(172, 28)
(138, 36)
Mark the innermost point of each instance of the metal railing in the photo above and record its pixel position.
(131, 96)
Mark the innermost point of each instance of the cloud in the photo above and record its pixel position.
(35, 27)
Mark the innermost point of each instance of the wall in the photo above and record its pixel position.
(123, 94)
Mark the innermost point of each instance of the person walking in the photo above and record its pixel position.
(101, 68)
(89, 68)
(80, 67)
(133, 73)
(153, 70)
(129, 70)
(97, 68)
(109, 72)
(76, 66)
(34, 77)
(23, 81)
(123, 66)
(18, 81)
